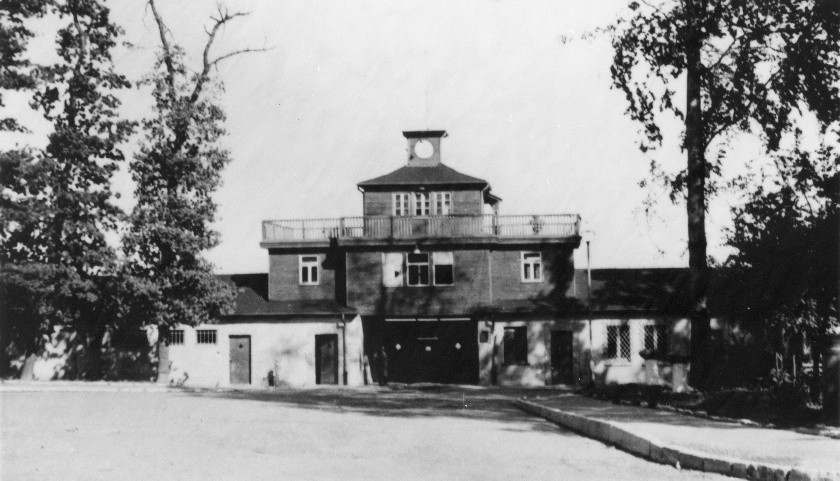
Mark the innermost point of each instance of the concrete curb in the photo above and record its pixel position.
(76, 386)
(657, 451)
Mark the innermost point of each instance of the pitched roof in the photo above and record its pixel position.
(437, 175)
(252, 300)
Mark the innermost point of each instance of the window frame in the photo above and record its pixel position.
(206, 336)
(176, 337)
(419, 265)
(442, 199)
(620, 340)
(658, 337)
(443, 263)
(515, 351)
(401, 208)
(523, 263)
(309, 266)
(422, 204)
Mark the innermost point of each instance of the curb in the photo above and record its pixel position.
(54, 386)
(657, 451)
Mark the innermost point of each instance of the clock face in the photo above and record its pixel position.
(424, 149)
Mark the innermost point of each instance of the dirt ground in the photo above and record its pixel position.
(348, 434)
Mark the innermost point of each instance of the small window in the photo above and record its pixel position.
(401, 207)
(618, 342)
(443, 203)
(176, 337)
(656, 339)
(444, 271)
(421, 203)
(309, 271)
(418, 269)
(205, 336)
(392, 269)
(532, 267)
(516, 345)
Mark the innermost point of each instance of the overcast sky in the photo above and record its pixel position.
(325, 108)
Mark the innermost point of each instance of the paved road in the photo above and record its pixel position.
(298, 435)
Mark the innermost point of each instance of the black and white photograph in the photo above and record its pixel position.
(370, 240)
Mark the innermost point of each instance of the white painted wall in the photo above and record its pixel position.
(589, 350)
(287, 348)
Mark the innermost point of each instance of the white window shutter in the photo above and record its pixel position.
(392, 269)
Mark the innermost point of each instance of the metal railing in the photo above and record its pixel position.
(391, 227)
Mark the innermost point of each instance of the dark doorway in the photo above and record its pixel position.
(240, 359)
(326, 359)
(430, 351)
(562, 357)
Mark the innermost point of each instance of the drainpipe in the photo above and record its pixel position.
(589, 313)
(344, 348)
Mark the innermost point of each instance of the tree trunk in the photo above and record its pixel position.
(696, 204)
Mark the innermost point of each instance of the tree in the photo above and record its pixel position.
(748, 67)
(786, 258)
(16, 71)
(57, 204)
(177, 170)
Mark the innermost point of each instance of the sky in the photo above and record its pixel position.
(325, 107)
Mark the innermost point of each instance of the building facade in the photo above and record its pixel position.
(435, 276)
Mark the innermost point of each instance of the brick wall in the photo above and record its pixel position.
(471, 289)
(465, 202)
(283, 278)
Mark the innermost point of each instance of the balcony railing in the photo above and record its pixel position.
(389, 227)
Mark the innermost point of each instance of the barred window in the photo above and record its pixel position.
(618, 342)
(516, 345)
(176, 337)
(205, 336)
(656, 338)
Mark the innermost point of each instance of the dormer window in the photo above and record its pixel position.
(443, 203)
(401, 206)
(421, 203)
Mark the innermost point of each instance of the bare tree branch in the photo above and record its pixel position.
(167, 51)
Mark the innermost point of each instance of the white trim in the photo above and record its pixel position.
(522, 267)
(446, 258)
(309, 265)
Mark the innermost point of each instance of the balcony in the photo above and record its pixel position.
(552, 226)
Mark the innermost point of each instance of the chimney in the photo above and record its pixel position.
(424, 147)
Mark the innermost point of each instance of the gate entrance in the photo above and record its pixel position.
(439, 351)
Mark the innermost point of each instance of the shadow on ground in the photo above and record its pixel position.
(409, 401)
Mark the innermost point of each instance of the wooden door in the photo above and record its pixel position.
(562, 357)
(240, 359)
(326, 359)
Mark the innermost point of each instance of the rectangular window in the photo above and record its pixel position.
(205, 336)
(401, 207)
(421, 203)
(443, 203)
(532, 267)
(392, 269)
(516, 345)
(618, 342)
(444, 271)
(309, 271)
(418, 269)
(176, 337)
(656, 339)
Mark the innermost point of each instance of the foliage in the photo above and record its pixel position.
(761, 64)
(57, 204)
(16, 72)
(785, 237)
(176, 171)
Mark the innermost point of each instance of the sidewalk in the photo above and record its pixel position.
(693, 442)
